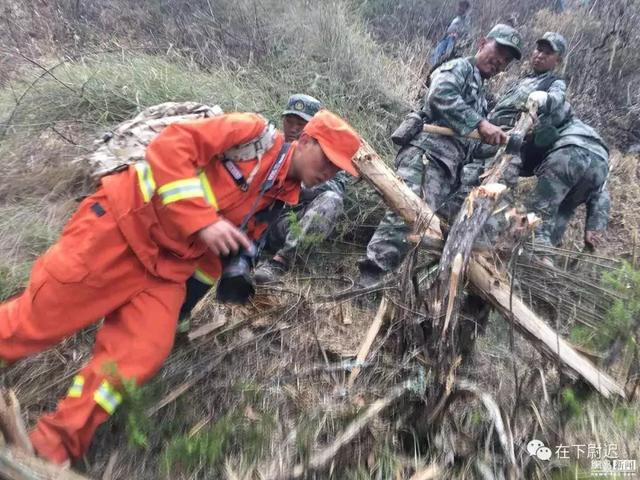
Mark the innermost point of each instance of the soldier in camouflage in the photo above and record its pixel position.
(430, 164)
(568, 157)
(313, 218)
(543, 86)
(573, 172)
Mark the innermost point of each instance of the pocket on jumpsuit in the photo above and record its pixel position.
(68, 261)
(65, 268)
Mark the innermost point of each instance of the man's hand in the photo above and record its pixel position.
(539, 99)
(222, 237)
(491, 134)
(592, 240)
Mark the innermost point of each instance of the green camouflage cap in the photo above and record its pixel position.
(509, 37)
(556, 41)
(303, 106)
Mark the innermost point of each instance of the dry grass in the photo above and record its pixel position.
(281, 372)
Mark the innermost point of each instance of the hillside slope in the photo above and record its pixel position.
(274, 393)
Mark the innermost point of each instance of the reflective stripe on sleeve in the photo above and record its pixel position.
(145, 180)
(75, 390)
(203, 277)
(107, 397)
(180, 190)
(208, 191)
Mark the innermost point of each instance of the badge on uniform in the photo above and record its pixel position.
(299, 105)
(445, 67)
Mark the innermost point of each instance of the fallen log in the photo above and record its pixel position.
(395, 192)
(494, 288)
(473, 214)
(483, 276)
(17, 460)
(17, 465)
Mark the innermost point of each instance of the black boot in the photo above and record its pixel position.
(370, 274)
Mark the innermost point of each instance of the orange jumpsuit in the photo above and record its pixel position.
(124, 256)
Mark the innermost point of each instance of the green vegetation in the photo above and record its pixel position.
(386, 465)
(105, 61)
(138, 424)
(623, 319)
(208, 448)
(571, 403)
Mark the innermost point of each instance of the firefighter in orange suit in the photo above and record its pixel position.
(126, 253)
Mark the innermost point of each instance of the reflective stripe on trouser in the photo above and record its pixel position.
(75, 391)
(108, 397)
(89, 274)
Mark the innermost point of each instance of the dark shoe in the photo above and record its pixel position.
(269, 271)
(370, 274)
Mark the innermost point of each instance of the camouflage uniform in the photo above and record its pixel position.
(506, 113)
(317, 214)
(573, 172)
(430, 165)
(512, 103)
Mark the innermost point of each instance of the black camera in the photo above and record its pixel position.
(236, 283)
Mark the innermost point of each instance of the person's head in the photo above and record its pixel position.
(463, 7)
(501, 45)
(300, 109)
(549, 52)
(327, 145)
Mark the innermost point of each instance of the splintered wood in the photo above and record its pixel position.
(482, 275)
(17, 460)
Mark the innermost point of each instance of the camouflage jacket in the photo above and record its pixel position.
(456, 99)
(337, 184)
(578, 134)
(514, 100)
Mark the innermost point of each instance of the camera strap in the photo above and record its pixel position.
(267, 184)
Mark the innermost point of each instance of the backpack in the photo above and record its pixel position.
(127, 142)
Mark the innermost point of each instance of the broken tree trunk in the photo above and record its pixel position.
(17, 465)
(483, 276)
(474, 213)
(489, 283)
(395, 192)
(17, 461)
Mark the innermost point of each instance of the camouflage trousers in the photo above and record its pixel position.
(470, 177)
(567, 178)
(298, 228)
(431, 181)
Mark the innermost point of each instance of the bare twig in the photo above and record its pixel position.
(322, 458)
(368, 340)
